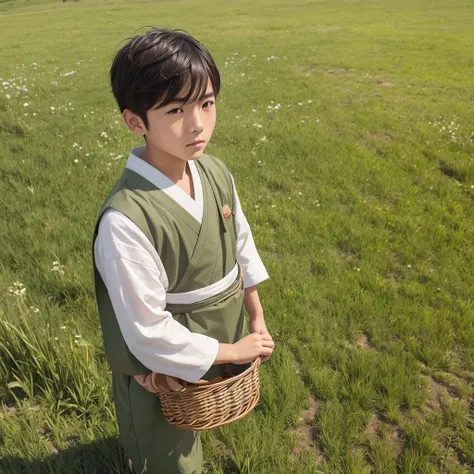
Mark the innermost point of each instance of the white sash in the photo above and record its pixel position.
(194, 296)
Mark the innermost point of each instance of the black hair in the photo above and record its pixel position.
(153, 68)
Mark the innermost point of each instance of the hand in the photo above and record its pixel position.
(144, 381)
(252, 346)
(258, 325)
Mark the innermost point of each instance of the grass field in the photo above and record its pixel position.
(353, 122)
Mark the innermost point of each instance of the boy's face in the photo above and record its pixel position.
(172, 129)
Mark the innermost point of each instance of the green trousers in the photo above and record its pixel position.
(153, 445)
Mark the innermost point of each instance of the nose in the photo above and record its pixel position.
(196, 123)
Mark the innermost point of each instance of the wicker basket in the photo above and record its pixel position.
(208, 404)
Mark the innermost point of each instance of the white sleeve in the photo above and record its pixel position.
(137, 282)
(254, 270)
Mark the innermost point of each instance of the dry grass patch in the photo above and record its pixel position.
(313, 68)
(373, 425)
(384, 83)
(389, 433)
(454, 385)
(306, 431)
(338, 71)
(386, 137)
(435, 391)
(363, 341)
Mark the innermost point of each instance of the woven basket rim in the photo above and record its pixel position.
(191, 387)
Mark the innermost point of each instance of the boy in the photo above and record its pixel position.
(172, 249)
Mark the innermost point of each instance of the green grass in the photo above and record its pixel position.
(363, 216)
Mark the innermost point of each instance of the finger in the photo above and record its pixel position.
(140, 379)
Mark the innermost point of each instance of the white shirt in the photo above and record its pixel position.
(136, 280)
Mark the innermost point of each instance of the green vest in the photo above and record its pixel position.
(194, 255)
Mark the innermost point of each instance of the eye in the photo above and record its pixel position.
(174, 111)
(209, 102)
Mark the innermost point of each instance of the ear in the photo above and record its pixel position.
(134, 123)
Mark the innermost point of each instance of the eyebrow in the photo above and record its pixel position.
(184, 99)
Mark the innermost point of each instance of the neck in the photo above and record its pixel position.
(169, 165)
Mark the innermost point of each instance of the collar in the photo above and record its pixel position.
(161, 181)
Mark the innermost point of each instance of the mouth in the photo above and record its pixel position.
(196, 142)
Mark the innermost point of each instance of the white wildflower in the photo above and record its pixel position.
(18, 290)
(57, 267)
